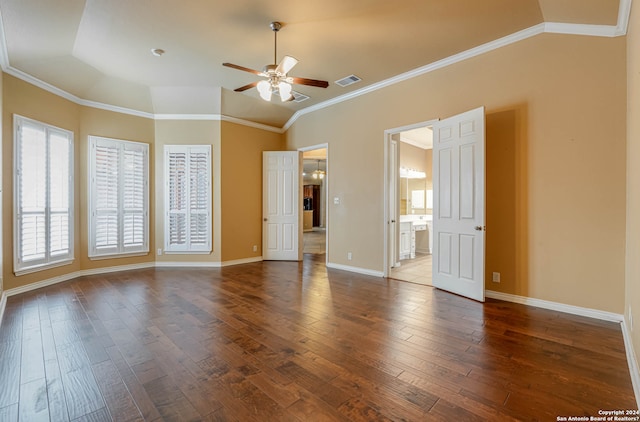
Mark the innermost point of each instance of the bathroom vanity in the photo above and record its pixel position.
(415, 235)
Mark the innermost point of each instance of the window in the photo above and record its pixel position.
(119, 197)
(187, 198)
(43, 202)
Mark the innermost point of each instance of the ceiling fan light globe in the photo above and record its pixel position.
(264, 88)
(285, 91)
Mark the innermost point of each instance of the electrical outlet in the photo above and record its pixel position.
(496, 277)
(349, 256)
(159, 251)
(255, 248)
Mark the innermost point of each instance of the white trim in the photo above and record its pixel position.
(241, 261)
(252, 124)
(447, 61)
(3, 305)
(580, 29)
(624, 10)
(4, 58)
(207, 264)
(556, 306)
(187, 117)
(632, 361)
(593, 313)
(43, 267)
(118, 268)
(71, 276)
(325, 184)
(180, 264)
(364, 271)
(117, 255)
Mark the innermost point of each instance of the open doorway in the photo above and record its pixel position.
(314, 187)
(410, 203)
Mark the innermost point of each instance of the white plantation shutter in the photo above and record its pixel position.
(119, 197)
(43, 195)
(188, 198)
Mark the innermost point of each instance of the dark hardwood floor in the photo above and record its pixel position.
(288, 341)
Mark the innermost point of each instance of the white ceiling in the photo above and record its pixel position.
(99, 50)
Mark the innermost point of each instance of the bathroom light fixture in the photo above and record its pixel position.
(412, 173)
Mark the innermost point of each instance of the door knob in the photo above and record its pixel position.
(479, 228)
(265, 219)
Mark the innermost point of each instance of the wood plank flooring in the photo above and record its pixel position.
(288, 341)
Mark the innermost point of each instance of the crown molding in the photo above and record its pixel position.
(624, 10)
(448, 61)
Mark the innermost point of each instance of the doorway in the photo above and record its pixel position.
(410, 203)
(314, 204)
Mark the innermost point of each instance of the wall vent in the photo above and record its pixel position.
(298, 97)
(351, 79)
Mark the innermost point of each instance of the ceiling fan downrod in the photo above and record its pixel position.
(275, 27)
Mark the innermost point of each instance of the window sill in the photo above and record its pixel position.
(117, 255)
(43, 267)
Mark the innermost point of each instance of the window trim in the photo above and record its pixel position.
(120, 251)
(20, 268)
(189, 249)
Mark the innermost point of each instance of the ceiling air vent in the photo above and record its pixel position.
(298, 97)
(352, 79)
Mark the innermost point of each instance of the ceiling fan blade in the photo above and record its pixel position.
(286, 64)
(310, 82)
(244, 88)
(245, 69)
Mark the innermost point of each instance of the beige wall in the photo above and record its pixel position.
(188, 132)
(29, 101)
(555, 163)
(96, 122)
(242, 148)
(633, 177)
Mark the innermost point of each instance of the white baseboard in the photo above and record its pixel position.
(358, 270)
(106, 270)
(207, 264)
(241, 261)
(632, 360)
(555, 306)
(76, 274)
(180, 264)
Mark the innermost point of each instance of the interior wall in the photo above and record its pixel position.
(96, 122)
(632, 305)
(188, 132)
(19, 97)
(242, 148)
(546, 98)
(30, 101)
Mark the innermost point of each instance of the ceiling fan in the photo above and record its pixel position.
(277, 80)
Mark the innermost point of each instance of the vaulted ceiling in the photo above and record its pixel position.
(99, 51)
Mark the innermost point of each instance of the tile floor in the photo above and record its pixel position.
(417, 270)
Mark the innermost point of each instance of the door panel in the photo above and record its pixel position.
(282, 193)
(458, 220)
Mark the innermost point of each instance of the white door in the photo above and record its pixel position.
(458, 214)
(281, 193)
(392, 235)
